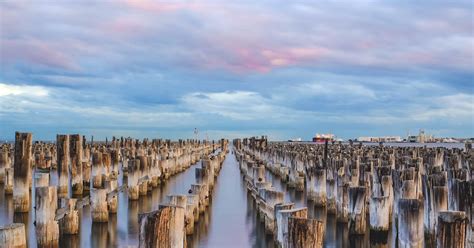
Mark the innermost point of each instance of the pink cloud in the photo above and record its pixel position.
(36, 52)
(156, 6)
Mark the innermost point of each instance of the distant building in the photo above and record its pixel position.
(386, 139)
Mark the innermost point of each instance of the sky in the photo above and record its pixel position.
(285, 69)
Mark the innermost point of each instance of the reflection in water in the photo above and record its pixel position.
(342, 234)
(330, 235)
(132, 222)
(112, 231)
(67, 240)
(99, 234)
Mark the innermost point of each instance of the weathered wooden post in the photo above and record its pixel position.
(331, 195)
(162, 228)
(47, 229)
(379, 207)
(99, 208)
(342, 199)
(387, 189)
(13, 236)
(22, 172)
(112, 202)
(76, 164)
(357, 210)
(97, 170)
(132, 181)
(115, 163)
(192, 212)
(282, 216)
(181, 201)
(272, 197)
(316, 186)
(41, 161)
(8, 188)
(143, 186)
(86, 169)
(438, 201)
(41, 179)
(125, 162)
(69, 224)
(107, 164)
(62, 143)
(4, 164)
(451, 230)
(201, 190)
(410, 223)
(305, 233)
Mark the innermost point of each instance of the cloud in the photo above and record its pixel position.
(241, 68)
(449, 108)
(236, 105)
(25, 90)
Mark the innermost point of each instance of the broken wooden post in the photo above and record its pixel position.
(410, 223)
(47, 229)
(307, 233)
(69, 224)
(13, 235)
(357, 210)
(451, 229)
(97, 170)
(22, 172)
(162, 228)
(99, 210)
(281, 217)
(76, 163)
(62, 143)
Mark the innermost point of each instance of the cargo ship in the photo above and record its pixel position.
(321, 138)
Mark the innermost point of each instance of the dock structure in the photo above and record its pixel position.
(424, 195)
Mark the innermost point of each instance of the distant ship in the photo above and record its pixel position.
(321, 138)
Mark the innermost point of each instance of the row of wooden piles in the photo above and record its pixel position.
(87, 173)
(289, 226)
(425, 194)
(171, 223)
